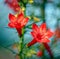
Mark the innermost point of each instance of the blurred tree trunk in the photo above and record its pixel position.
(43, 10)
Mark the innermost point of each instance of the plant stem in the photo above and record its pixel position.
(21, 44)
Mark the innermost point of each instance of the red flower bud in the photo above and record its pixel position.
(39, 53)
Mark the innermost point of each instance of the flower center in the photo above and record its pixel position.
(39, 36)
(17, 25)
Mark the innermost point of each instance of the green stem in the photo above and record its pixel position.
(21, 44)
(43, 10)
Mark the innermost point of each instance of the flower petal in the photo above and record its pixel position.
(13, 4)
(24, 21)
(18, 25)
(16, 8)
(33, 34)
(43, 28)
(12, 18)
(49, 33)
(20, 17)
(11, 25)
(46, 40)
(32, 42)
(35, 28)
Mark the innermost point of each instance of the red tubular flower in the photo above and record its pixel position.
(57, 33)
(40, 34)
(47, 47)
(39, 53)
(13, 4)
(17, 22)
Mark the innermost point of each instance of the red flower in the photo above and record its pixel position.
(39, 53)
(17, 57)
(40, 34)
(17, 22)
(13, 4)
(57, 33)
(47, 47)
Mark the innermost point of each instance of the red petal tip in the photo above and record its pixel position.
(10, 15)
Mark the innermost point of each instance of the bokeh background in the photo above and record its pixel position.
(48, 11)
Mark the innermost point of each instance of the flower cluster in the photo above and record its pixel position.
(40, 33)
(13, 4)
